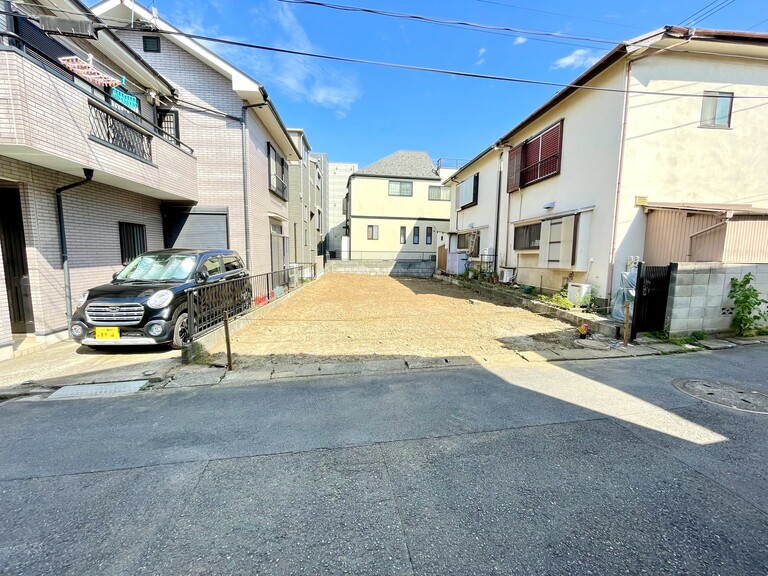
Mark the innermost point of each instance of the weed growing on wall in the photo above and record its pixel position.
(747, 314)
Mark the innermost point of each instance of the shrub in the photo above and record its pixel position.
(747, 301)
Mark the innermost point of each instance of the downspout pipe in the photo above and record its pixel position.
(498, 215)
(88, 173)
(246, 204)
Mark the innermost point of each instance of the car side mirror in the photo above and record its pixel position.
(114, 275)
(201, 276)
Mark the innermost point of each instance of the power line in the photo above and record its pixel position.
(559, 14)
(758, 24)
(412, 67)
(712, 12)
(417, 68)
(705, 12)
(461, 23)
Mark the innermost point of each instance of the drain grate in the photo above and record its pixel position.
(98, 390)
(728, 395)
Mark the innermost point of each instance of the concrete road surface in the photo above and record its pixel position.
(569, 468)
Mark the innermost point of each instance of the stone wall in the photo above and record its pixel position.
(698, 295)
(407, 268)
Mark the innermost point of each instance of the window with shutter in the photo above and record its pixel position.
(513, 169)
(537, 158)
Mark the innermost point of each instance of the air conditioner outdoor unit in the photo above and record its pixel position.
(578, 293)
(506, 275)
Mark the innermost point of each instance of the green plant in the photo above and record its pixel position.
(747, 305)
(557, 299)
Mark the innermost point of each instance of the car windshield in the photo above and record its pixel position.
(158, 267)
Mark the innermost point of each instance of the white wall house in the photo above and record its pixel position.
(668, 117)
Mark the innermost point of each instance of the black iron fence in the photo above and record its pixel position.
(209, 304)
(111, 130)
(381, 255)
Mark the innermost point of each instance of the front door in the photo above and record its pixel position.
(15, 262)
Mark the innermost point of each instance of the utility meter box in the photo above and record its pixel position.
(578, 293)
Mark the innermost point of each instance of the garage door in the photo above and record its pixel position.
(195, 227)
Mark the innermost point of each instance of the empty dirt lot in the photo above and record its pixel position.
(342, 317)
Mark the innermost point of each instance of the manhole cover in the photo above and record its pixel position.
(724, 394)
(96, 390)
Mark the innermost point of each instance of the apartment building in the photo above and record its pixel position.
(307, 181)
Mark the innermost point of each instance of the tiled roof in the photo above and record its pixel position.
(402, 164)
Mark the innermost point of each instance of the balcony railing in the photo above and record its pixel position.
(279, 187)
(547, 167)
(111, 130)
(450, 163)
(52, 65)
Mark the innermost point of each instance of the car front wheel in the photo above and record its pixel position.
(181, 331)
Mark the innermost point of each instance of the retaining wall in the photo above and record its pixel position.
(411, 269)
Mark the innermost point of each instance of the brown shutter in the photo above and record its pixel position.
(513, 169)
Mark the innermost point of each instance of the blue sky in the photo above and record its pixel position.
(361, 113)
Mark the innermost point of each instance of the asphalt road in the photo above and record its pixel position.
(596, 467)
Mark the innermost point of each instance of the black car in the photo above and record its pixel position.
(146, 302)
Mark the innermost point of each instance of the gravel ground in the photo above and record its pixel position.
(343, 317)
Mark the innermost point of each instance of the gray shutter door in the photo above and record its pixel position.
(195, 228)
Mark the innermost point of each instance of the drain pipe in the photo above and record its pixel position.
(88, 173)
(246, 204)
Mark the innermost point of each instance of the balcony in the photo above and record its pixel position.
(52, 118)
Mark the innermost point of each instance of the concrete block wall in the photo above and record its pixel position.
(698, 295)
(405, 268)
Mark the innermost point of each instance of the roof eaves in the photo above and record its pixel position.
(600, 66)
(93, 17)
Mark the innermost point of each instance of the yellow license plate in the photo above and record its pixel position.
(107, 333)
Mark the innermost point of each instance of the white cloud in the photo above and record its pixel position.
(480, 56)
(519, 40)
(300, 77)
(579, 58)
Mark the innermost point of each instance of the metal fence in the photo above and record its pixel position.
(381, 255)
(209, 304)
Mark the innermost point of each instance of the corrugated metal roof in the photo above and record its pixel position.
(402, 164)
(739, 209)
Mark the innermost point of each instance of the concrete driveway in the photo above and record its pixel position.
(60, 363)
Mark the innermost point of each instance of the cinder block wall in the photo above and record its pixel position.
(405, 268)
(698, 295)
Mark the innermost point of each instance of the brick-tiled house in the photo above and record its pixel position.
(241, 144)
(88, 178)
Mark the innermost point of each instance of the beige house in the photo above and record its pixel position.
(675, 116)
(395, 207)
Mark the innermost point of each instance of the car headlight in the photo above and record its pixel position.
(82, 298)
(160, 299)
